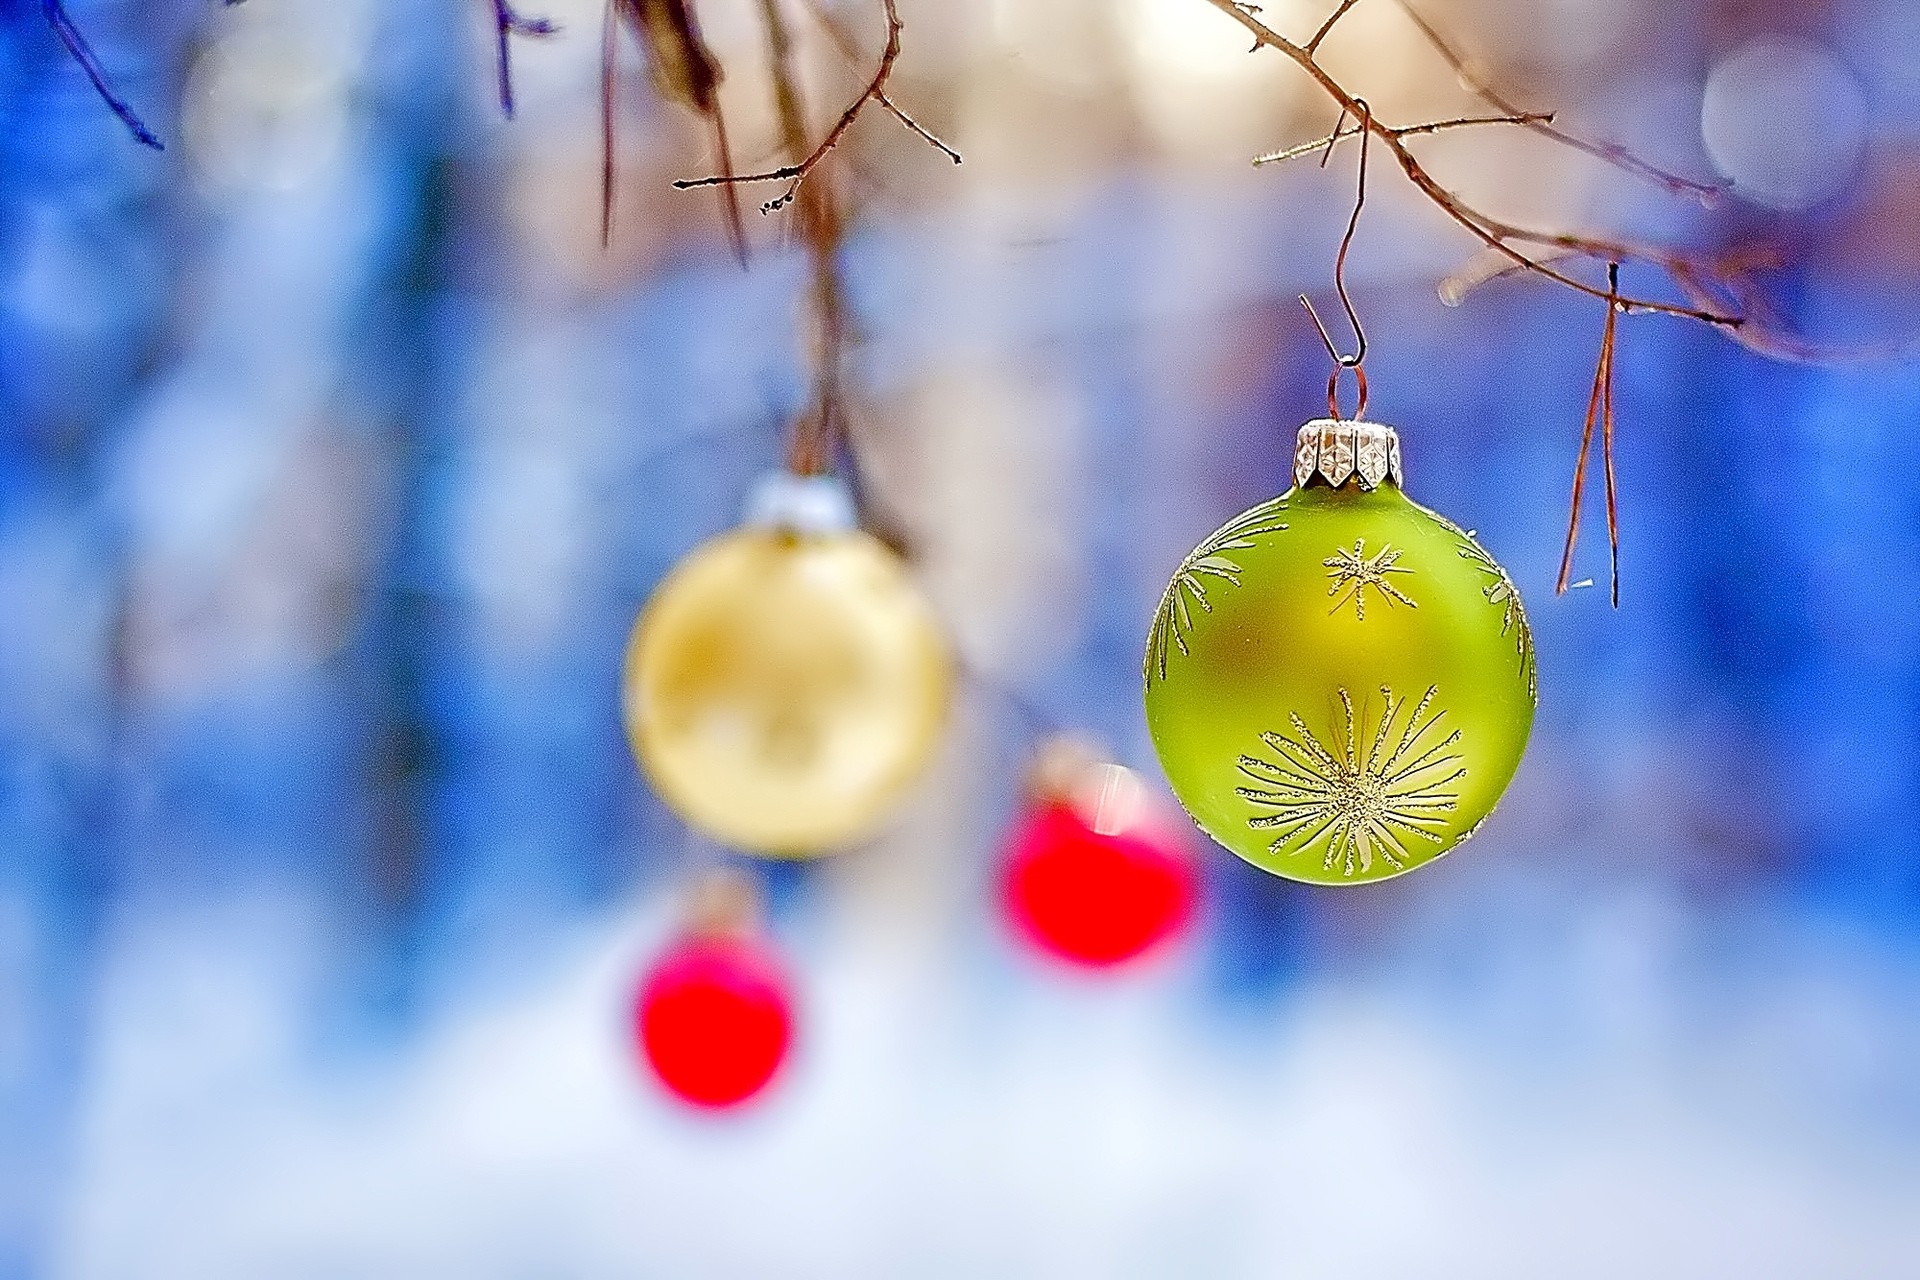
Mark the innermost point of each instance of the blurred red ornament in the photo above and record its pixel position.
(714, 1019)
(1092, 876)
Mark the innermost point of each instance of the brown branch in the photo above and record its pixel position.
(1580, 462)
(1333, 20)
(797, 173)
(1494, 233)
(1402, 131)
(1607, 348)
(1299, 149)
(1611, 153)
(810, 448)
(1600, 409)
(609, 97)
(1482, 269)
(1732, 280)
(1722, 291)
(1526, 119)
(684, 71)
(849, 51)
(926, 135)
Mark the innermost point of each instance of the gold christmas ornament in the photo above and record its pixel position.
(1340, 682)
(787, 681)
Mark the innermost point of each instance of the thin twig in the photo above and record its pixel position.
(81, 52)
(1399, 131)
(1489, 231)
(609, 96)
(849, 51)
(927, 135)
(1526, 119)
(1612, 153)
(1333, 19)
(685, 71)
(810, 447)
(1607, 349)
(1599, 410)
(1723, 292)
(1731, 280)
(508, 22)
(1484, 268)
(1299, 149)
(797, 173)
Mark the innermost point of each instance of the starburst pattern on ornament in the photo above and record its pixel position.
(1500, 591)
(1355, 799)
(1354, 571)
(1174, 619)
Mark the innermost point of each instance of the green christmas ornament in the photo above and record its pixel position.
(1340, 682)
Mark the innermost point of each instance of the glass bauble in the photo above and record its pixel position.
(1095, 874)
(783, 687)
(1340, 682)
(1095, 897)
(714, 1019)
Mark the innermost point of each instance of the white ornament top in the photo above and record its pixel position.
(800, 504)
(1338, 450)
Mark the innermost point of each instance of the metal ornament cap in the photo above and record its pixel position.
(792, 503)
(1338, 450)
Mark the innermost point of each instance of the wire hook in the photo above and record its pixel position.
(1364, 114)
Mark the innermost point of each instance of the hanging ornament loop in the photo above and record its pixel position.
(1333, 393)
(1341, 360)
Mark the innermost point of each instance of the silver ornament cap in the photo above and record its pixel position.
(807, 505)
(1337, 450)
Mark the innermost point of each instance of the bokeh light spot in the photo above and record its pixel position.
(1785, 121)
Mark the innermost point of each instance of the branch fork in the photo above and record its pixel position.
(1718, 291)
(875, 93)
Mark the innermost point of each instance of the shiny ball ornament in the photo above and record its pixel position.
(1093, 877)
(1340, 682)
(714, 1019)
(787, 681)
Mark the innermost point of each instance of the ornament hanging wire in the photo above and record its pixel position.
(1364, 117)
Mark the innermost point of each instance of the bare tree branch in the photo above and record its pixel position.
(849, 50)
(1722, 291)
(1481, 269)
(797, 173)
(1612, 153)
(926, 135)
(81, 52)
(1599, 410)
(810, 448)
(685, 71)
(1333, 20)
(1402, 131)
(1526, 119)
(1496, 234)
(509, 22)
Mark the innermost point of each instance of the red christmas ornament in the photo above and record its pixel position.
(1091, 877)
(714, 1019)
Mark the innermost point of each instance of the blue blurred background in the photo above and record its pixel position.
(336, 458)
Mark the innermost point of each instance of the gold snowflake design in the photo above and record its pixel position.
(1499, 591)
(1385, 796)
(1174, 620)
(1354, 571)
